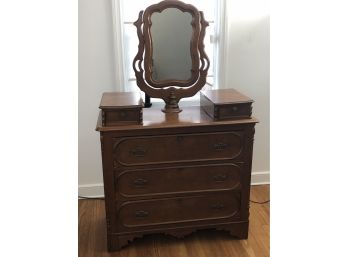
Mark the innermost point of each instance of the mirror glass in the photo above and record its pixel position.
(171, 33)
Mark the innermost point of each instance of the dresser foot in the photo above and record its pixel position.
(239, 230)
(116, 243)
(113, 243)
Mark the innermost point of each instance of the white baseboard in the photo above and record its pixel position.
(97, 190)
(91, 190)
(260, 178)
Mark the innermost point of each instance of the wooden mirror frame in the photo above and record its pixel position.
(171, 91)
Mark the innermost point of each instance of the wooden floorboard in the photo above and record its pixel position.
(208, 243)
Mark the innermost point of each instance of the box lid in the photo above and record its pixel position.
(116, 100)
(226, 96)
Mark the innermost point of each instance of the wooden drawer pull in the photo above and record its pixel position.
(179, 138)
(141, 214)
(140, 182)
(220, 177)
(138, 152)
(218, 206)
(220, 146)
(123, 114)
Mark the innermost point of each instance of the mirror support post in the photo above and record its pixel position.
(147, 101)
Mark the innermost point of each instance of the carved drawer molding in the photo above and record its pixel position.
(178, 148)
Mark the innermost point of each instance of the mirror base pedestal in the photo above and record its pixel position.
(171, 104)
(171, 109)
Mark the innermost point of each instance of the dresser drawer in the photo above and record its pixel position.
(175, 180)
(122, 116)
(177, 148)
(234, 111)
(179, 210)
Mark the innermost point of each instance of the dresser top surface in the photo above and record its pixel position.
(189, 116)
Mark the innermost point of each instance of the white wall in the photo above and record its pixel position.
(248, 72)
(96, 75)
(246, 69)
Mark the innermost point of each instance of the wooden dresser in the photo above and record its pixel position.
(175, 174)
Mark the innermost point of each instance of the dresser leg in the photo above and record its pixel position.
(112, 244)
(240, 230)
(243, 233)
(115, 243)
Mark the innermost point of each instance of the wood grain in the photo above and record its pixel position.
(205, 243)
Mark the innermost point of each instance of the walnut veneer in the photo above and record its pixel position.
(176, 173)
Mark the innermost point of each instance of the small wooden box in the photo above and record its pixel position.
(121, 108)
(226, 104)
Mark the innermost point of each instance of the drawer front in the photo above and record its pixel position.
(180, 210)
(122, 116)
(177, 148)
(184, 179)
(234, 111)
